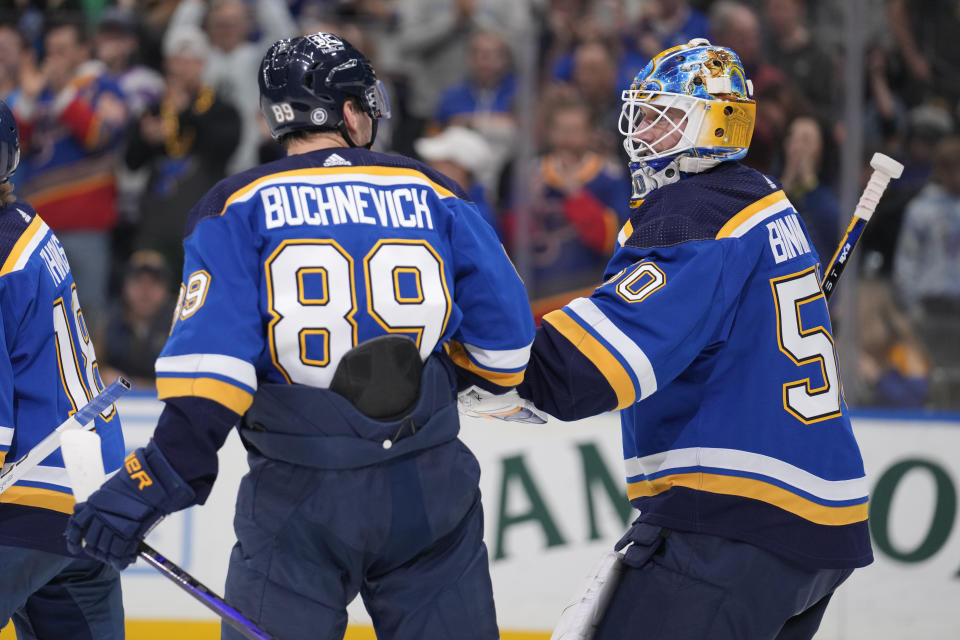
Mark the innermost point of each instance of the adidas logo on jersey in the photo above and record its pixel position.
(336, 161)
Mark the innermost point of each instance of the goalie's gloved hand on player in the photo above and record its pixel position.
(111, 523)
(509, 407)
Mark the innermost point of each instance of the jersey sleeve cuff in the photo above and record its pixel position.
(503, 368)
(230, 396)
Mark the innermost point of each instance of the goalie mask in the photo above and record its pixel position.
(688, 110)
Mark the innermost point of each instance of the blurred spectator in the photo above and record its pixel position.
(893, 367)
(803, 183)
(484, 101)
(139, 322)
(155, 16)
(666, 23)
(791, 48)
(116, 45)
(12, 50)
(661, 24)
(927, 261)
(579, 199)
(432, 38)
(927, 125)
(734, 24)
(926, 36)
(234, 60)
(461, 154)
(885, 116)
(927, 271)
(595, 78)
(71, 116)
(185, 142)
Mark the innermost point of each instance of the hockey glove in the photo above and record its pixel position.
(111, 523)
(509, 407)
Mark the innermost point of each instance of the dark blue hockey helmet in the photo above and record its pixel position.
(9, 143)
(305, 81)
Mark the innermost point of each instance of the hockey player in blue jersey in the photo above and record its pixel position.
(48, 370)
(357, 482)
(712, 337)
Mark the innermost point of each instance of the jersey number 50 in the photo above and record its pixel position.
(314, 326)
(804, 346)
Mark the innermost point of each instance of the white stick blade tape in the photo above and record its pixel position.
(83, 460)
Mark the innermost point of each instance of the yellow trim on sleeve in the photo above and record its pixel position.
(627, 231)
(442, 191)
(20, 246)
(37, 497)
(744, 214)
(605, 362)
(755, 489)
(233, 398)
(460, 358)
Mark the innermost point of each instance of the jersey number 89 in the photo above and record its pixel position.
(312, 327)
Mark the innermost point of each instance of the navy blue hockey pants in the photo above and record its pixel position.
(689, 586)
(55, 597)
(406, 534)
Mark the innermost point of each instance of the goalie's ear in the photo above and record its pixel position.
(380, 377)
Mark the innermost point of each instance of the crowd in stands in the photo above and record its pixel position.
(131, 109)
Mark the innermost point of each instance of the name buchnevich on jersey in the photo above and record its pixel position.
(787, 239)
(295, 205)
(56, 260)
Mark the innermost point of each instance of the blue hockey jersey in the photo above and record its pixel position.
(48, 369)
(713, 338)
(291, 264)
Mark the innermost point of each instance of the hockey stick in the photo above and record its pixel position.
(884, 168)
(82, 419)
(204, 595)
(81, 457)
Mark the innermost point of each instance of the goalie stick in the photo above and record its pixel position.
(82, 419)
(884, 168)
(81, 456)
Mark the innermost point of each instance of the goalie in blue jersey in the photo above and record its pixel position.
(48, 370)
(332, 303)
(712, 337)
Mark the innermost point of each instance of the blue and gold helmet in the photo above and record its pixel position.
(691, 101)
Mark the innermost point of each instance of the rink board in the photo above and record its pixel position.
(553, 500)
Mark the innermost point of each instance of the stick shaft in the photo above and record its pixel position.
(82, 419)
(884, 169)
(202, 594)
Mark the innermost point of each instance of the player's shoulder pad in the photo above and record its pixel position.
(14, 220)
(697, 207)
(216, 201)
